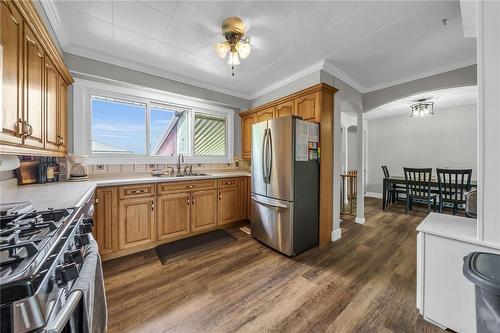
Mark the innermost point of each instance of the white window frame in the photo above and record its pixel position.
(83, 90)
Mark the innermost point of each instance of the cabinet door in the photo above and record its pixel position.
(172, 217)
(62, 97)
(33, 88)
(285, 109)
(136, 222)
(242, 198)
(203, 210)
(246, 136)
(51, 106)
(228, 205)
(11, 37)
(265, 114)
(106, 219)
(308, 107)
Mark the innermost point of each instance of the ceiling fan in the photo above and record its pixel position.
(233, 31)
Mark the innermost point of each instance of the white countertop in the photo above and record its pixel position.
(450, 226)
(75, 194)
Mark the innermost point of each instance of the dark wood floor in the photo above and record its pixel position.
(364, 282)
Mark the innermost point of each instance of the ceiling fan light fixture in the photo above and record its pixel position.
(243, 49)
(221, 49)
(233, 59)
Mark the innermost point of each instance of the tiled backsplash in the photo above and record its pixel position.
(131, 168)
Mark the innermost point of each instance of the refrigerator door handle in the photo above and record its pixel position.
(264, 156)
(276, 205)
(269, 156)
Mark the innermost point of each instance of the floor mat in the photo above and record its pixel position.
(193, 246)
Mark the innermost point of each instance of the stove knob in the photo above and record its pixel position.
(67, 273)
(74, 256)
(85, 228)
(89, 220)
(82, 240)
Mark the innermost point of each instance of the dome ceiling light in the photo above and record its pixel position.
(233, 31)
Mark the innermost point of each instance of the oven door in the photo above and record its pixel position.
(70, 316)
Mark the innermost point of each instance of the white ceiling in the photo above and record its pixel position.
(371, 44)
(443, 99)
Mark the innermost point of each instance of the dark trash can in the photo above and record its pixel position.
(483, 269)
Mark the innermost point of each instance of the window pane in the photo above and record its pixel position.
(169, 131)
(209, 135)
(118, 126)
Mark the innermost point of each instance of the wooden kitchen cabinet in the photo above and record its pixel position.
(309, 107)
(62, 125)
(34, 86)
(34, 56)
(265, 114)
(173, 215)
(136, 222)
(246, 136)
(106, 219)
(203, 209)
(51, 106)
(285, 109)
(228, 204)
(242, 212)
(11, 38)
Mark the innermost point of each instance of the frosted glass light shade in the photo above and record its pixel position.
(243, 49)
(233, 58)
(222, 48)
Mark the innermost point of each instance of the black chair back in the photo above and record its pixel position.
(386, 171)
(453, 183)
(418, 181)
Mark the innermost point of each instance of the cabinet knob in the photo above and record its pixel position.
(192, 201)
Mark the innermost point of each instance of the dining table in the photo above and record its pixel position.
(400, 180)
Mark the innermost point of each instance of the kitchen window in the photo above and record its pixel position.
(126, 125)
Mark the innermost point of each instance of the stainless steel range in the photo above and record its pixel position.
(41, 256)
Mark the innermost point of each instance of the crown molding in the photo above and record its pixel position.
(113, 60)
(333, 70)
(424, 75)
(53, 17)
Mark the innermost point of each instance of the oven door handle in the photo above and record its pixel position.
(65, 314)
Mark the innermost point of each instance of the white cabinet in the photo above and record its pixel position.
(444, 295)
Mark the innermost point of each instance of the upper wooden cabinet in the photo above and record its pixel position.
(34, 85)
(11, 36)
(246, 135)
(265, 114)
(285, 109)
(308, 107)
(34, 92)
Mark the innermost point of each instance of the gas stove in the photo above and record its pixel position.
(40, 257)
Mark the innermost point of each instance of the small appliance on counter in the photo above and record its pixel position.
(78, 170)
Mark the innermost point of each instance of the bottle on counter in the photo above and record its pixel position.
(50, 170)
(42, 170)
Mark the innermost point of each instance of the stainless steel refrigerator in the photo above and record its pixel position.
(285, 186)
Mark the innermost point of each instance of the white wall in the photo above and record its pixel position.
(446, 139)
(352, 148)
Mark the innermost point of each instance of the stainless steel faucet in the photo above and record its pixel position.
(180, 158)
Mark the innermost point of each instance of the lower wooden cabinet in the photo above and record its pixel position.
(203, 210)
(132, 218)
(173, 215)
(106, 219)
(136, 222)
(228, 204)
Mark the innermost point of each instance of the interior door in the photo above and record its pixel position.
(280, 158)
(259, 132)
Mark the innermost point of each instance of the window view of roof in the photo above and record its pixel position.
(209, 135)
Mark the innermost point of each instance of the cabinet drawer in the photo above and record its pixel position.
(137, 191)
(227, 182)
(193, 185)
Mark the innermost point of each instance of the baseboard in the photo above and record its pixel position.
(360, 220)
(373, 195)
(336, 234)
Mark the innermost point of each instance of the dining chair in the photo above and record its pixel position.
(392, 191)
(453, 184)
(418, 186)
